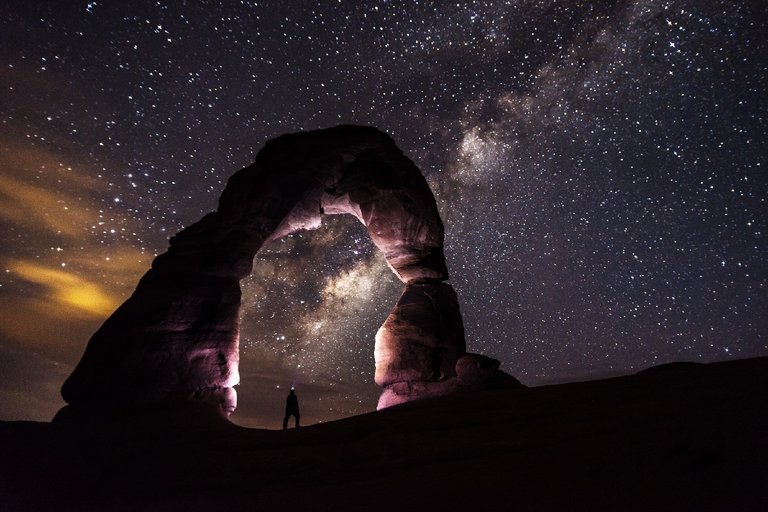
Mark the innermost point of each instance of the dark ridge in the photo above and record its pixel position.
(656, 441)
(680, 366)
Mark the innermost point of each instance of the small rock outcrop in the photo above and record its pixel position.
(177, 336)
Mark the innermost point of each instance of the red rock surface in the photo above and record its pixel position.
(177, 335)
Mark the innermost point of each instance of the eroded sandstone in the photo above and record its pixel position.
(178, 334)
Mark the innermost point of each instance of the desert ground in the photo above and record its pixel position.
(677, 437)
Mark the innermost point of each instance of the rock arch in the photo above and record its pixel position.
(177, 336)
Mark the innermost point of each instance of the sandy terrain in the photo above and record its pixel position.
(677, 437)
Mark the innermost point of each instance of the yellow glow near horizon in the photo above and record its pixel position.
(67, 288)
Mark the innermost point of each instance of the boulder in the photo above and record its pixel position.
(476, 371)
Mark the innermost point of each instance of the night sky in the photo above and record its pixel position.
(600, 168)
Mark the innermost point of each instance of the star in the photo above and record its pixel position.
(599, 170)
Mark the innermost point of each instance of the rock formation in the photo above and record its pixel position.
(177, 335)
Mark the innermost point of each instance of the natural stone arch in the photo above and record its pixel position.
(177, 336)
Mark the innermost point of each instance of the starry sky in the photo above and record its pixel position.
(600, 168)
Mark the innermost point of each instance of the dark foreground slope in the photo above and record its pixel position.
(679, 437)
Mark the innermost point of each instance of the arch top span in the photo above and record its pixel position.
(177, 335)
(358, 171)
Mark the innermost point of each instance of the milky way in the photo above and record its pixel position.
(600, 168)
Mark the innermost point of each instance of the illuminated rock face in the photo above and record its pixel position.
(422, 338)
(177, 335)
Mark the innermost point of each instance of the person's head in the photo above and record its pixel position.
(292, 391)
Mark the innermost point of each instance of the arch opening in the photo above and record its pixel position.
(309, 313)
(177, 336)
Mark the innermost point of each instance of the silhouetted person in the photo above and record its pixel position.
(291, 409)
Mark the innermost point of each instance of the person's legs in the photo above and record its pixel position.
(297, 415)
(285, 420)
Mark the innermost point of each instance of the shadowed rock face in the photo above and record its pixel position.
(177, 335)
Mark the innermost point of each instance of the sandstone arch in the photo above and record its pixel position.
(177, 335)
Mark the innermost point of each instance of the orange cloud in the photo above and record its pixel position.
(67, 289)
(45, 191)
(35, 207)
